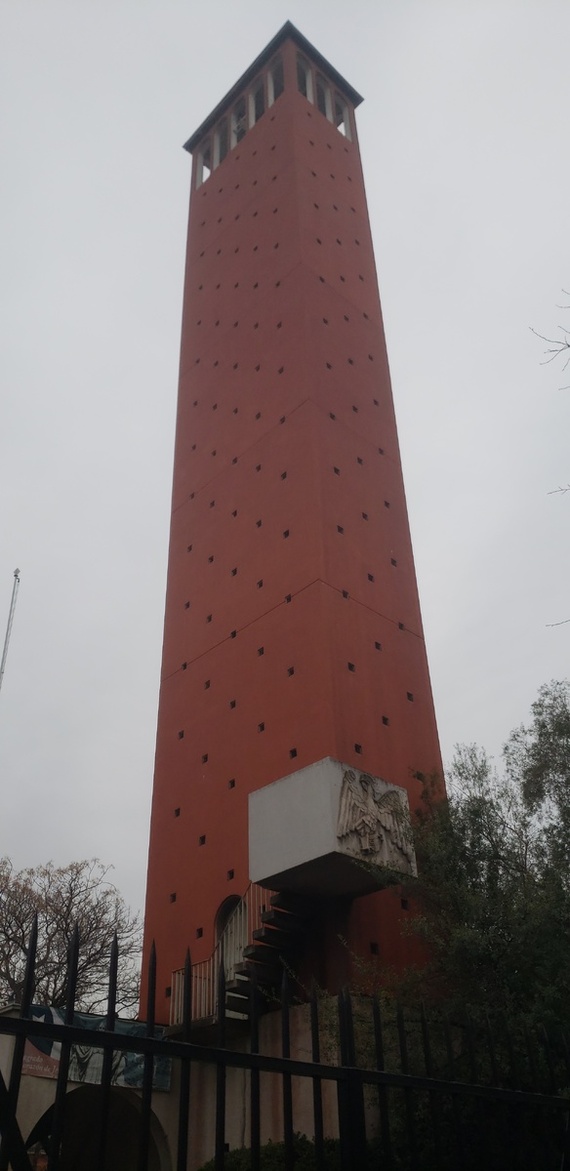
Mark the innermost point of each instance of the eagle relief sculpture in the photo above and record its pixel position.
(374, 823)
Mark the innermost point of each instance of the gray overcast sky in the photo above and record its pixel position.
(463, 134)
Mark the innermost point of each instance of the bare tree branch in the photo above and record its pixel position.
(78, 894)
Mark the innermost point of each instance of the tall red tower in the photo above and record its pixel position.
(294, 672)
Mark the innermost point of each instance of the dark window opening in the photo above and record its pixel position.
(239, 122)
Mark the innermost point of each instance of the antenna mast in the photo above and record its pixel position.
(10, 621)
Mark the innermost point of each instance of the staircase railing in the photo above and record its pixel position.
(236, 936)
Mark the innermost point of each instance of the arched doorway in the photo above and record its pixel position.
(80, 1147)
(225, 912)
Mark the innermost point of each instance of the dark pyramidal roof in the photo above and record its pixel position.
(287, 32)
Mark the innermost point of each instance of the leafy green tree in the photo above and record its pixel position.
(494, 864)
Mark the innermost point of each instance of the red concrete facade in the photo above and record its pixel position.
(292, 629)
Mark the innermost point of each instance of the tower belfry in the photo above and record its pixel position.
(295, 711)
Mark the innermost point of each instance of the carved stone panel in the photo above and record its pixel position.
(374, 822)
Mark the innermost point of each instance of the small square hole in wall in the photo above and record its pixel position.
(232, 703)
(385, 721)
(233, 633)
(393, 561)
(231, 783)
(210, 559)
(185, 666)
(202, 840)
(234, 513)
(351, 667)
(187, 605)
(235, 459)
(261, 727)
(206, 684)
(261, 650)
(258, 524)
(209, 618)
(380, 451)
(258, 467)
(365, 516)
(260, 584)
(358, 749)
(282, 419)
(339, 529)
(199, 932)
(374, 949)
(212, 503)
(378, 646)
(401, 626)
(336, 471)
(283, 475)
(258, 415)
(345, 593)
(172, 897)
(355, 409)
(205, 758)
(230, 875)
(177, 811)
(286, 533)
(290, 670)
(410, 696)
(386, 504)
(332, 416)
(292, 753)
(287, 598)
(189, 548)
(181, 735)
(370, 577)
(234, 571)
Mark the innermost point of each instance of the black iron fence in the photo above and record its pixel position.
(408, 1093)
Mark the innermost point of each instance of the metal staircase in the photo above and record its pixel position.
(264, 934)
